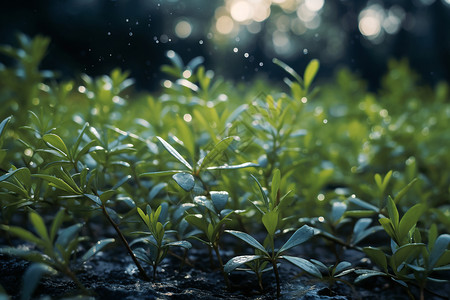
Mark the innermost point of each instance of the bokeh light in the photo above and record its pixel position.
(183, 29)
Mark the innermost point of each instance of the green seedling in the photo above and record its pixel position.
(210, 219)
(411, 260)
(270, 219)
(333, 273)
(274, 257)
(157, 239)
(57, 247)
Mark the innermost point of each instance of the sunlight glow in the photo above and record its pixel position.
(224, 25)
(183, 29)
(241, 11)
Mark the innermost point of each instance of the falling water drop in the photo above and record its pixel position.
(246, 55)
(127, 20)
(109, 32)
(200, 42)
(235, 50)
(130, 34)
(305, 51)
(261, 64)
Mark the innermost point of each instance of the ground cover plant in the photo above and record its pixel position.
(220, 178)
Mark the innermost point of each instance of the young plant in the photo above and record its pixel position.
(157, 240)
(275, 256)
(57, 245)
(411, 260)
(268, 252)
(210, 219)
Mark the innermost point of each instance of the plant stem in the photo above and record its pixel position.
(225, 276)
(277, 277)
(127, 246)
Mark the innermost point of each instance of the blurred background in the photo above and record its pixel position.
(237, 38)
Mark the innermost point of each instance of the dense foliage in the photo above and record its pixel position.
(208, 158)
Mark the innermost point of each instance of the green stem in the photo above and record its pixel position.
(127, 246)
(225, 275)
(277, 277)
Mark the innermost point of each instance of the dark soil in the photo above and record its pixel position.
(112, 275)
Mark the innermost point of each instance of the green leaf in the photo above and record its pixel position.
(68, 234)
(56, 224)
(363, 204)
(31, 278)
(237, 261)
(219, 199)
(94, 199)
(160, 173)
(343, 265)
(58, 183)
(263, 193)
(3, 124)
(182, 244)
(387, 225)
(377, 257)
(95, 249)
(270, 221)
(303, 264)
(439, 248)
(144, 217)
(205, 202)
(310, 72)
(174, 153)
(301, 235)
(248, 239)
(233, 167)
(185, 180)
(393, 213)
(39, 226)
(365, 274)
(56, 143)
(218, 150)
(276, 179)
(23, 234)
(406, 253)
(410, 219)
(403, 191)
(337, 211)
(197, 221)
(288, 69)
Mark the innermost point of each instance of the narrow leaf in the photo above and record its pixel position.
(410, 219)
(174, 153)
(237, 261)
(56, 143)
(303, 264)
(248, 239)
(301, 235)
(95, 249)
(39, 226)
(185, 180)
(310, 72)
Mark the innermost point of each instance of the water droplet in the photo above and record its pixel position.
(130, 34)
(246, 55)
(261, 64)
(127, 20)
(137, 22)
(235, 50)
(109, 32)
(200, 42)
(237, 39)
(305, 51)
